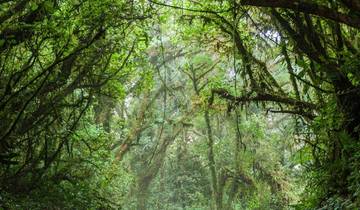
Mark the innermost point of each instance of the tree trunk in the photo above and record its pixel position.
(217, 197)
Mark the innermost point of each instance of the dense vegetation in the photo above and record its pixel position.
(182, 104)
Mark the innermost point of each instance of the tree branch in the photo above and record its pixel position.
(261, 97)
(307, 7)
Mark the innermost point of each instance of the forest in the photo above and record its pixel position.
(180, 104)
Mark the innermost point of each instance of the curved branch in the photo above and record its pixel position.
(190, 9)
(308, 8)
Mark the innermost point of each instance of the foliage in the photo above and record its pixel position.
(231, 104)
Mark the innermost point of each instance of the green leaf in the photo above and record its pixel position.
(33, 6)
(49, 6)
